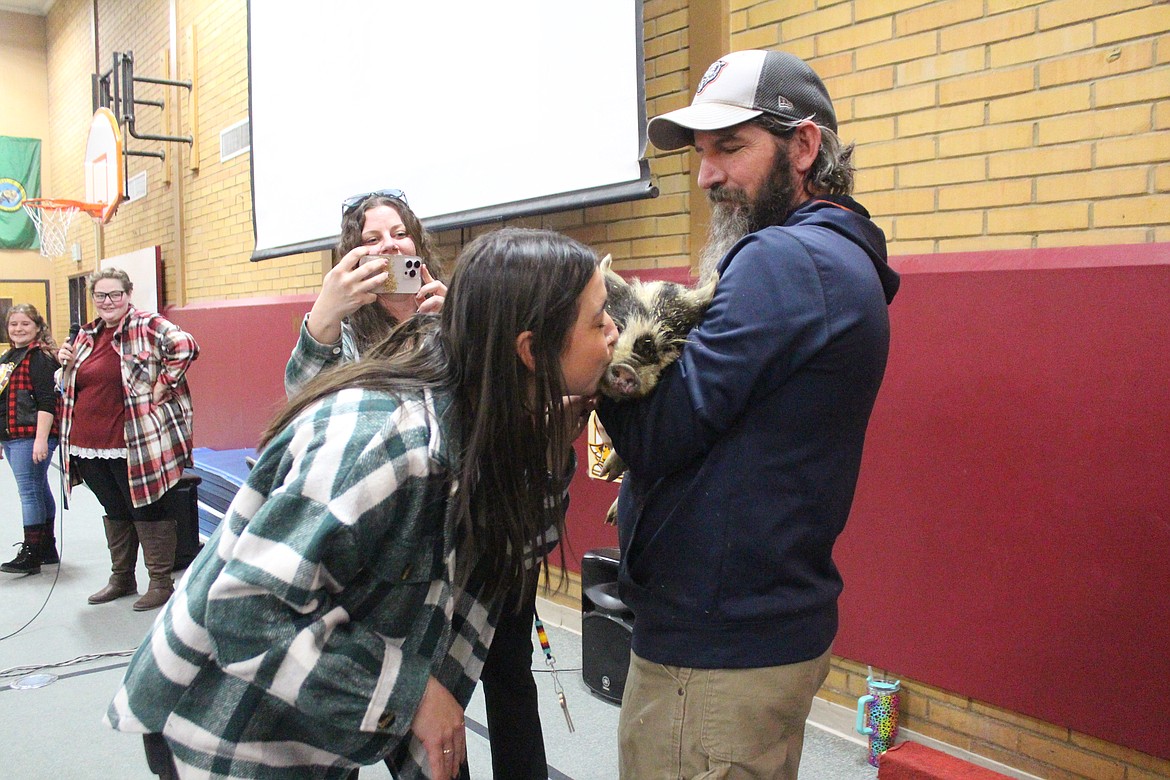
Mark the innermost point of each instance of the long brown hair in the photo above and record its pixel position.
(832, 171)
(44, 336)
(371, 323)
(514, 451)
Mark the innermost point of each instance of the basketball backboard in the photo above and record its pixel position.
(104, 169)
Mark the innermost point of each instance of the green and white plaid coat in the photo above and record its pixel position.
(310, 357)
(299, 643)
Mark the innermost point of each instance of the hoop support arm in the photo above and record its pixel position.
(151, 137)
(136, 153)
(167, 82)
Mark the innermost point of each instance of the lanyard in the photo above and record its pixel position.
(552, 665)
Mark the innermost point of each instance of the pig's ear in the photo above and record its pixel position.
(524, 350)
(605, 263)
(704, 294)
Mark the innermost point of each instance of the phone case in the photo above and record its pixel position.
(405, 274)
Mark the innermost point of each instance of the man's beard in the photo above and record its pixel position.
(729, 223)
(733, 217)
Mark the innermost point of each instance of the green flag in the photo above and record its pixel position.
(20, 179)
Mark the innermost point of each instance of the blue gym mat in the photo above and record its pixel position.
(223, 472)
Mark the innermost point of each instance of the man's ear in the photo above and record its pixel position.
(524, 350)
(803, 148)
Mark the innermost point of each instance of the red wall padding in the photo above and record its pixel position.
(1010, 534)
(237, 384)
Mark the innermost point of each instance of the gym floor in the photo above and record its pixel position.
(56, 731)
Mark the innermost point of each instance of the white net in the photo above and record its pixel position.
(52, 223)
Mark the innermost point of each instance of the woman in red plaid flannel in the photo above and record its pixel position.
(28, 431)
(126, 429)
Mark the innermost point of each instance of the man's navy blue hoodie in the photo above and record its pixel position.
(744, 460)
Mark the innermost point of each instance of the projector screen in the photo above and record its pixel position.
(479, 111)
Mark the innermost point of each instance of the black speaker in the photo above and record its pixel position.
(607, 625)
(181, 503)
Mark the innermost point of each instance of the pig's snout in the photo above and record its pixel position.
(622, 379)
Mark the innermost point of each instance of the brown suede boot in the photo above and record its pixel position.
(158, 550)
(123, 544)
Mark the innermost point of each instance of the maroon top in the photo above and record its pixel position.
(99, 420)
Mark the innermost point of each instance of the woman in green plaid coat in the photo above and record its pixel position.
(341, 612)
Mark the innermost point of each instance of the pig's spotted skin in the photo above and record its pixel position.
(653, 319)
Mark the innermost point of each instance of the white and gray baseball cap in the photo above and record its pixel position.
(741, 86)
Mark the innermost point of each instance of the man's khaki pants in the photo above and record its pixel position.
(678, 723)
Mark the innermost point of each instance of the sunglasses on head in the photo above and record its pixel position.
(350, 203)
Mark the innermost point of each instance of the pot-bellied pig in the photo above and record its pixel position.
(653, 319)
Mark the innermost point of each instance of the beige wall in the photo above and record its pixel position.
(24, 113)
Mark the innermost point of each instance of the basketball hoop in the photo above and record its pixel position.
(52, 217)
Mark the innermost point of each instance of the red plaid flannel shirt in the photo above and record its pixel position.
(158, 437)
(21, 382)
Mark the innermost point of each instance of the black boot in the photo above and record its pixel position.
(28, 560)
(49, 544)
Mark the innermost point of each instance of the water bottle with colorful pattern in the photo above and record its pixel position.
(877, 715)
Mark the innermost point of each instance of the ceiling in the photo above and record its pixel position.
(36, 7)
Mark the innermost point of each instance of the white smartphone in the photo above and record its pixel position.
(405, 274)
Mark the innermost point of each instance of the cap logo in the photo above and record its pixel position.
(783, 103)
(711, 74)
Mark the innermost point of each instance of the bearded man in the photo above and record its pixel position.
(743, 462)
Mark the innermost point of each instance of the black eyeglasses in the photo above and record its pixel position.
(115, 296)
(349, 204)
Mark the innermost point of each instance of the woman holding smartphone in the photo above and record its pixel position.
(381, 223)
(349, 316)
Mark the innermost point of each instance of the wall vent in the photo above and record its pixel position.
(235, 140)
(136, 187)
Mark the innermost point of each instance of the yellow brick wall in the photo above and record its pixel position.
(70, 61)
(209, 198)
(141, 29)
(1005, 125)
(217, 199)
(1015, 125)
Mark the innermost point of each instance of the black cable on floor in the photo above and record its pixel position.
(64, 507)
(48, 595)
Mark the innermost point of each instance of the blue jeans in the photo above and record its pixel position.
(32, 479)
